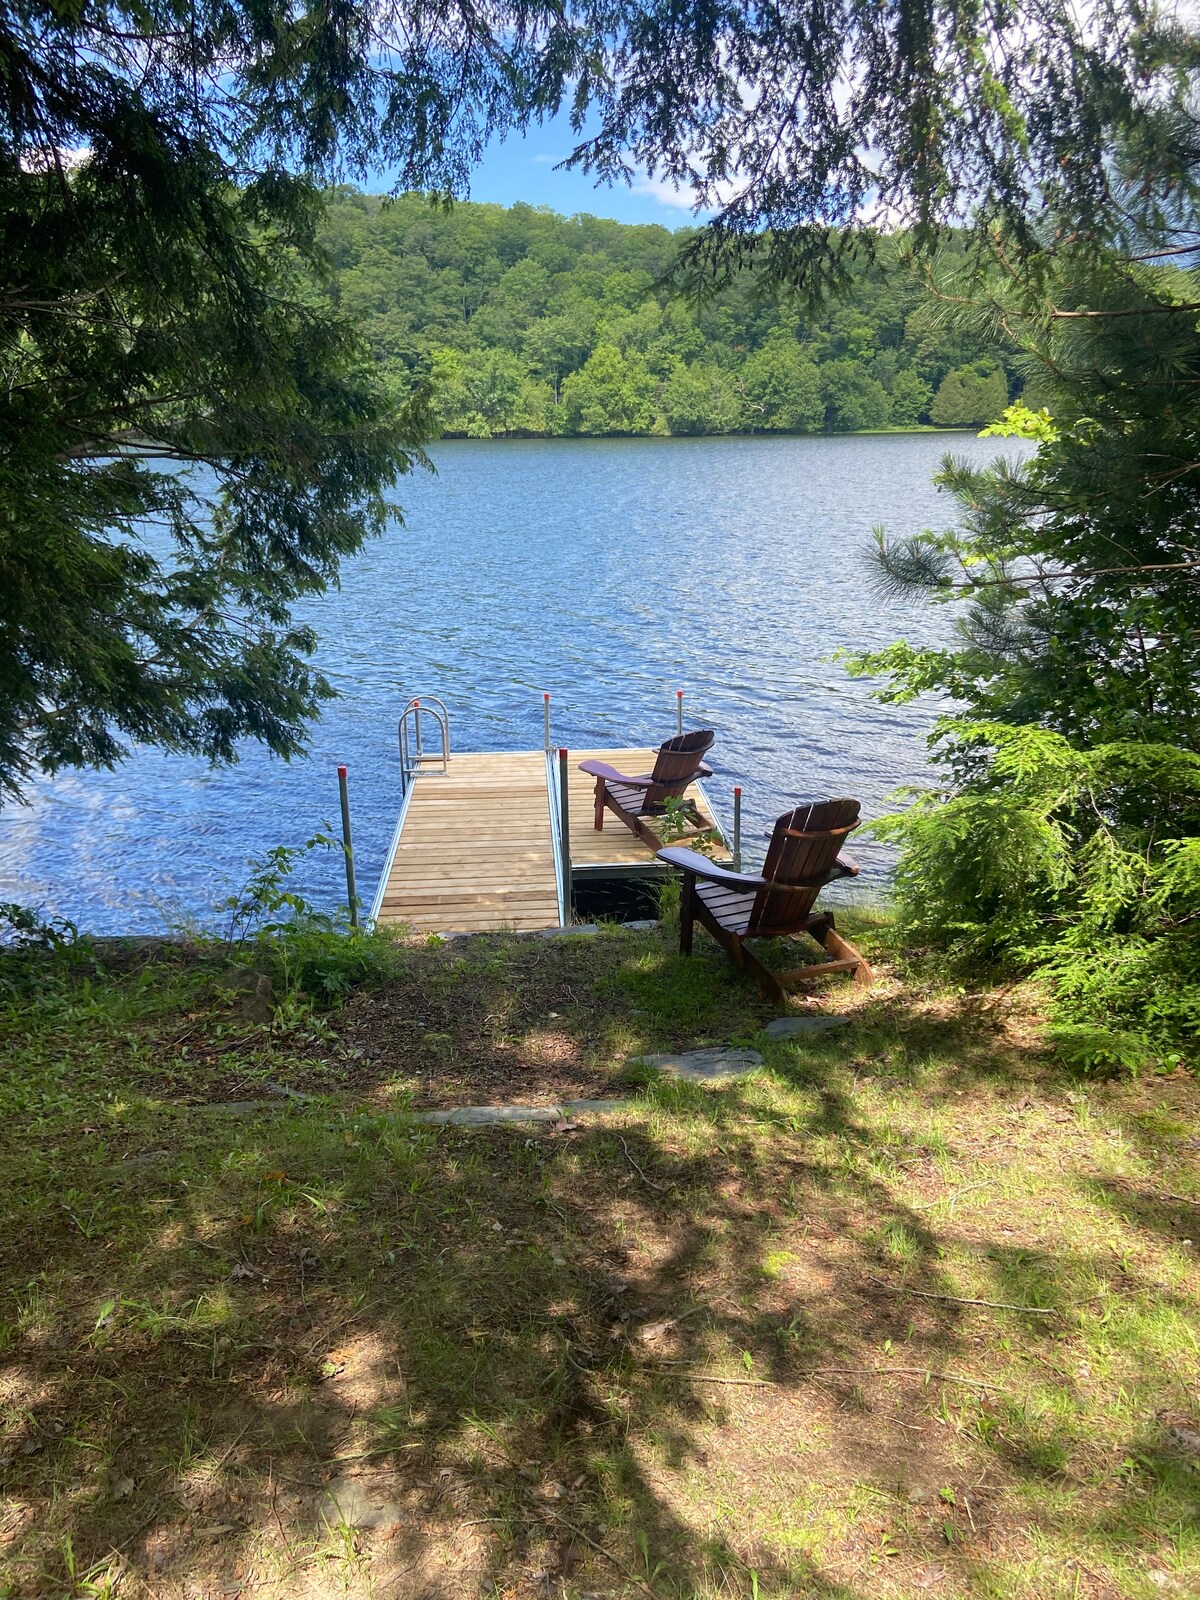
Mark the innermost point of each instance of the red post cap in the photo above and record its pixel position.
(342, 771)
(737, 788)
(679, 693)
(546, 696)
(562, 750)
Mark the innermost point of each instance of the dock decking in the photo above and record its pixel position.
(477, 849)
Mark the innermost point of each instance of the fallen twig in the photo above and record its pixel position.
(649, 1182)
(119, 1549)
(732, 1383)
(655, 1330)
(917, 1372)
(845, 1372)
(287, 1544)
(962, 1300)
(626, 1572)
(1151, 1194)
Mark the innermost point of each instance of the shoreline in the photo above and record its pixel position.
(520, 436)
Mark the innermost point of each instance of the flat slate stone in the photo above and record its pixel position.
(486, 1116)
(357, 1505)
(796, 1027)
(495, 1116)
(706, 1066)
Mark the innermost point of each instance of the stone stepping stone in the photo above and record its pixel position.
(705, 1066)
(496, 1116)
(357, 1505)
(797, 1027)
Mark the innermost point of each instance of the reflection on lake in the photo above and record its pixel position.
(609, 572)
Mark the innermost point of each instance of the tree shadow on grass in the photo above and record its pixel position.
(512, 1397)
(713, 1349)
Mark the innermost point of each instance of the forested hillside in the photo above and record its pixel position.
(536, 323)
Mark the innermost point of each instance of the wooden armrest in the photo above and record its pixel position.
(692, 861)
(601, 769)
(702, 867)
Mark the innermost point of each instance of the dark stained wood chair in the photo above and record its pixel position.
(678, 764)
(802, 858)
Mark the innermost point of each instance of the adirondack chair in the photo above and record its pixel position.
(736, 906)
(678, 764)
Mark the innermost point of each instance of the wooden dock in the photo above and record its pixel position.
(478, 847)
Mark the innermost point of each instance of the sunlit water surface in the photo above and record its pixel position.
(609, 572)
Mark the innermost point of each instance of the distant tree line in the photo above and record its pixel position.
(528, 322)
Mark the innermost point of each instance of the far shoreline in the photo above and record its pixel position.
(520, 436)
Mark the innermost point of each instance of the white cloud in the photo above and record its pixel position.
(682, 196)
(665, 191)
(544, 160)
(67, 157)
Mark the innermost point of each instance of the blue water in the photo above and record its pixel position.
(609, 572)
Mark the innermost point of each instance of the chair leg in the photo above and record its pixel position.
(599, 805)
(843, 951)
(769, 985)
(644, 832)
(845, 957)
(687, 913)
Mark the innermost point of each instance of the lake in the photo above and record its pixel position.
(609, 572)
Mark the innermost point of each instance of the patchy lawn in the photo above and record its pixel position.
(910, 1311)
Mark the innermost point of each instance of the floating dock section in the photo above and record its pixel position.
(479, 842)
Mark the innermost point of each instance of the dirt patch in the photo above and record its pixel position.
(491, 1019)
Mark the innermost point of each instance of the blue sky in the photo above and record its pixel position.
(524, 169)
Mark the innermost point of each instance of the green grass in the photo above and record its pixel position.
(513, 1338)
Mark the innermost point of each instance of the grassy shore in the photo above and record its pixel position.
(909, 1311)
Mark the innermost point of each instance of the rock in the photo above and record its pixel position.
(489, 1116)
(1183, 1437)
(358, 1505)
(705, 1066)
(797, 1027)
(495, 1116)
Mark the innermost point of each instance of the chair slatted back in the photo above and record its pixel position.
(676, 765)
(804, 846)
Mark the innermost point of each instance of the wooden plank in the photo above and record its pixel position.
(475, 853)
(477, 850)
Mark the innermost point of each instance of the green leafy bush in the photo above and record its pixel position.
(305, 951)
(1079, 866)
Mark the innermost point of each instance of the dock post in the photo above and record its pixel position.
(546, 704)
(348, 846)
(679, 712)
(737, 828)
(564, 838)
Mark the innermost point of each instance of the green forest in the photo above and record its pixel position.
(528, 322)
